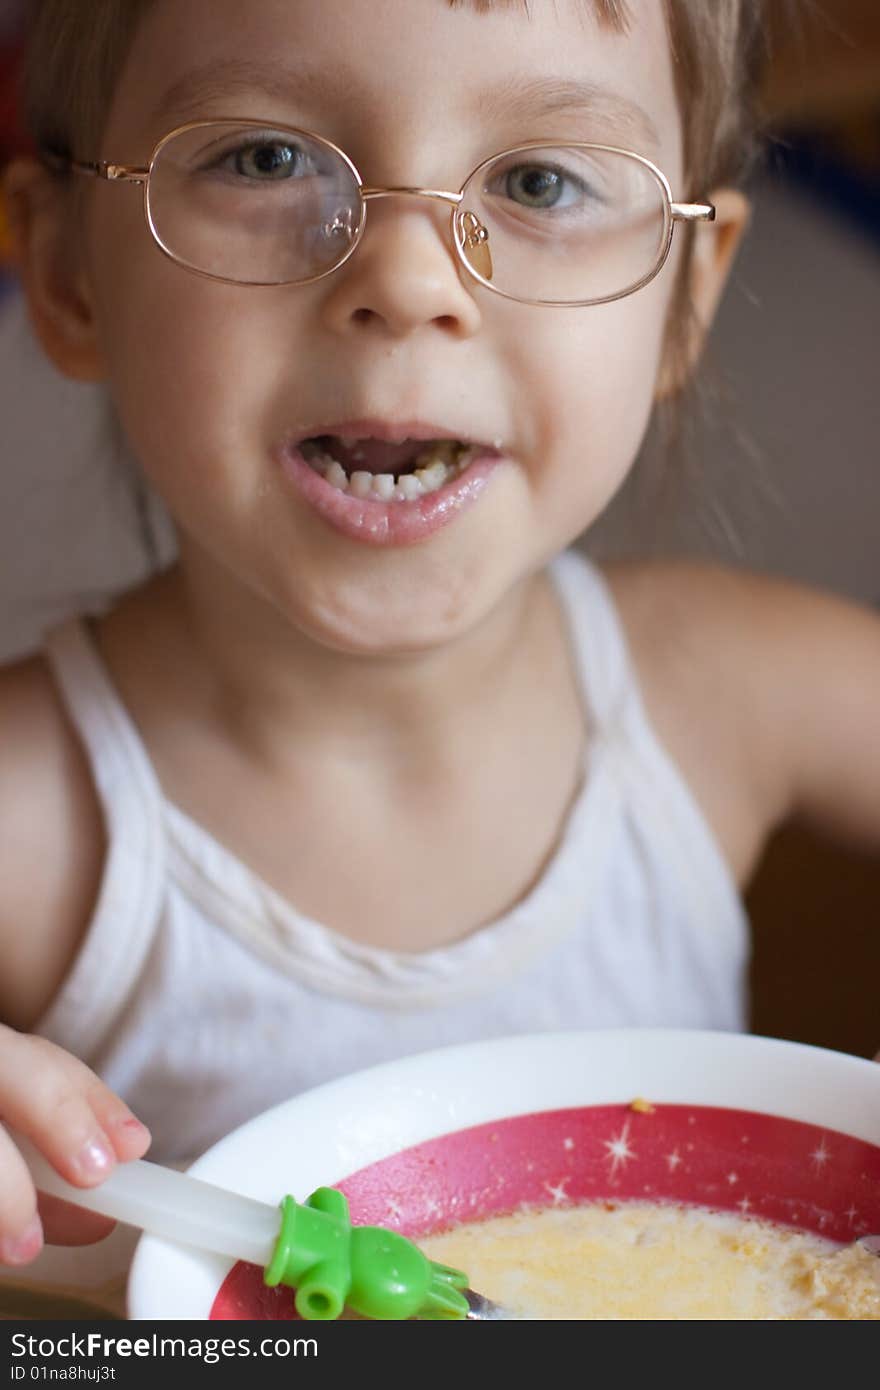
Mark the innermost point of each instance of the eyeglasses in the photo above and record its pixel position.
(568, 224)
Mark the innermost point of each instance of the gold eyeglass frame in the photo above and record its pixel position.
(466, 235)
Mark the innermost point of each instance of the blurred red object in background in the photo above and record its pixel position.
(12, 137)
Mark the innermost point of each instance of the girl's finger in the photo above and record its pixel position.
(39, 1100)
(27, 1219)
(129, 1137)
(21, 1232)
(64, 1109)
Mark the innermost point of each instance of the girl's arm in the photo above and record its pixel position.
(817, 684)
(51, 855)
(51, 843)
(767, 696)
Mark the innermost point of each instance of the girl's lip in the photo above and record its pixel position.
(387, 523)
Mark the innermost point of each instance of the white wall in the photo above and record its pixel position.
(787, 476)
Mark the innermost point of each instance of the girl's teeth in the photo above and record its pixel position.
(434, 476)
(410, 486)
(383, 486)
(337, 477)
(435, 466)
(361, 484)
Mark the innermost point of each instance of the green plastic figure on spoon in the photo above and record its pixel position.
(377, 1273)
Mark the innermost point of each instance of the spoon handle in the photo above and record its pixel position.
(170, 1204)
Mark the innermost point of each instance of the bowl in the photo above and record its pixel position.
(771, 1129)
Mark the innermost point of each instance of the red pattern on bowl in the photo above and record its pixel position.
(781, 1170)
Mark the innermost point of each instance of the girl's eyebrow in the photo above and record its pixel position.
(542, 96)
(525, 97)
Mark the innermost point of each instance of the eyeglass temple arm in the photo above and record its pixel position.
(681, 212)
(692, 212)
(130, 173)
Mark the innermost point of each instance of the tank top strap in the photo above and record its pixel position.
(653, 787)
(608, 681)
(130, 894)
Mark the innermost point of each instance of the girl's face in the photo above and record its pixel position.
(212, 381)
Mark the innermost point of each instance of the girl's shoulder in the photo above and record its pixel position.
(739, 630)
(766, 692)
(51, 841)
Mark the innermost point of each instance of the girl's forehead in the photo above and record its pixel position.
(399, 60)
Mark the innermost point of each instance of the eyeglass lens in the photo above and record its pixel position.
(260, 205)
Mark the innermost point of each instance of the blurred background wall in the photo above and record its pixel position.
(782, 471)
(782, 459)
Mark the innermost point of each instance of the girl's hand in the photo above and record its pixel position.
(76, 1122)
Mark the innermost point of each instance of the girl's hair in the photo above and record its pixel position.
(76, 50)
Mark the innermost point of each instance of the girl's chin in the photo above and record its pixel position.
(384, 624)
(380, 638)
(411, 603)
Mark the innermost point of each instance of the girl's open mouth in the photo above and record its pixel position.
(388, 493)
(388, 472)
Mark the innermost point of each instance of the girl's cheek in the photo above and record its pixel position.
(598, 384)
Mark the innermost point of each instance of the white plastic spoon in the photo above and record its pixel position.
(170, 1204)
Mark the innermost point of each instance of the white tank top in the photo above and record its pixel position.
(202, 996)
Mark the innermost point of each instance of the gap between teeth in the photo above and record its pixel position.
(435, 467)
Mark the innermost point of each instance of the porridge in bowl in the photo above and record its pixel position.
(637, 1260)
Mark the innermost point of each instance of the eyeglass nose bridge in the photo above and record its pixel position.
(439, 194)
(473, 245)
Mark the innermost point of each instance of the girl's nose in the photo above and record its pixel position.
(404, 275)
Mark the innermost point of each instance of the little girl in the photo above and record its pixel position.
(385, 296)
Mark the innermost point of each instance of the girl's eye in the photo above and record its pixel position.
(543, 187)
(267, 161)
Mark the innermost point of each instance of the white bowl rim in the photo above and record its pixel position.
(437, 1092)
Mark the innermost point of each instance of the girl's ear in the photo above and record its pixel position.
(43, 223)
(714, 251)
